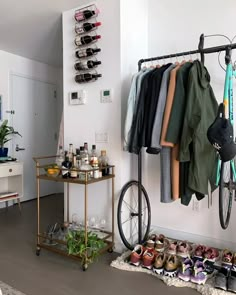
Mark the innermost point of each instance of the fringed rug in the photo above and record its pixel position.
(207, 289)
(8, 290)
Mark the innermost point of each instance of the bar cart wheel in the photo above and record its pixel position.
(38, 249)
(85, 267)
(128, 216)
(110, 250)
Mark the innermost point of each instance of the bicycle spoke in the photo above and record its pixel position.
(136, 202)
(127, 220)
(128, 206)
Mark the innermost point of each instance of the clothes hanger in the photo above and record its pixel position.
(152, 65)
(177, 61)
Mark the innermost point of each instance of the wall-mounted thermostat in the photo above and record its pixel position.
(77, 98)
(106, 95)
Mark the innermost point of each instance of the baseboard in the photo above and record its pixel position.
(185, 236)
(198, 239)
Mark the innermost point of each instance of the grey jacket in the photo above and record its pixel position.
(131, 104)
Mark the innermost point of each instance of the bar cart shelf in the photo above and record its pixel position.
(58, 245)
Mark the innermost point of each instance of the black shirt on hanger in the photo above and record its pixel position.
(151, 102)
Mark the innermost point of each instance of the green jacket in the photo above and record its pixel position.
(201, 110)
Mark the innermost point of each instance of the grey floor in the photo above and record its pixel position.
(51, 274)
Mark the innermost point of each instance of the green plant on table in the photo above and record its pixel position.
(5, 132)
(76, 245)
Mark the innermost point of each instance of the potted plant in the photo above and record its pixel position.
(6, 132)
(76, 245)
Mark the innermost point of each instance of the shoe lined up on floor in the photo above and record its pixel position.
(186, 270)
(157, 242)
(199, 275)
(197, 272)
(225, 279)
(178, 258)
(183, 249)
(171, 266)
(160, 260)
(148, 258)
(202, 252)
(227, 258)
(136, 255)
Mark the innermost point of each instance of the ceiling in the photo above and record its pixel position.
(33, 28)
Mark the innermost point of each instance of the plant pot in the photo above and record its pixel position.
(3, 152)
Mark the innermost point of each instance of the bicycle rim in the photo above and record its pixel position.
(225, 193)
(127, 214)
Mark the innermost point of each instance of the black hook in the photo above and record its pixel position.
(200, 48)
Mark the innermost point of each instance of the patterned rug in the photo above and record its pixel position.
(207, 289)
(8, 290)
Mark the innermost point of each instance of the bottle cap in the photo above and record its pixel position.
(98, 24)
(94, 146)
(97, 36)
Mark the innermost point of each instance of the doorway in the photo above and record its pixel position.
(34, 116)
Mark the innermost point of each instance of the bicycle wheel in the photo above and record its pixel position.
(226, 192)
(127, 214)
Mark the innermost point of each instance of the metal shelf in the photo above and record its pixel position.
(60, 246)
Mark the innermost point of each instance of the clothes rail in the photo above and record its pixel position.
(227, 48)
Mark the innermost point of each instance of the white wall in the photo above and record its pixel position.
(134, 46)
(81, 122)
(11, 63)
(132, 30)
(175, 27)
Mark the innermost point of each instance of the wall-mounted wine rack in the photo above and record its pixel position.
(86, 42)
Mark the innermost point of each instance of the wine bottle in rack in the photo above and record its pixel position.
(90, 64)
(87, 77)
(86, 27)
(79, 41)
(85, 14)
(81, 53)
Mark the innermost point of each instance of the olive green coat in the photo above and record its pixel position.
(201, 110)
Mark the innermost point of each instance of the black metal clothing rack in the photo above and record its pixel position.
(227, 48)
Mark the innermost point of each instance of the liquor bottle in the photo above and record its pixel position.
(81, 53)
(84, 163)
(103, 163)
(87, 77)
(86, 14)
(86, 27)
(94, 162)
(66, 164)
(60, 157)
(93, 156)
(79, 41)
(74, 172)
(82, 66)
(70, 153)
(86, 153)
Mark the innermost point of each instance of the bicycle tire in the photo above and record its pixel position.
(124, 190)
(225, 190)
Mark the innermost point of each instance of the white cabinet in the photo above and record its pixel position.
(11, 181)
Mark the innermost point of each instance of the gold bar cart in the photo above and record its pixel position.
(108, 236)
